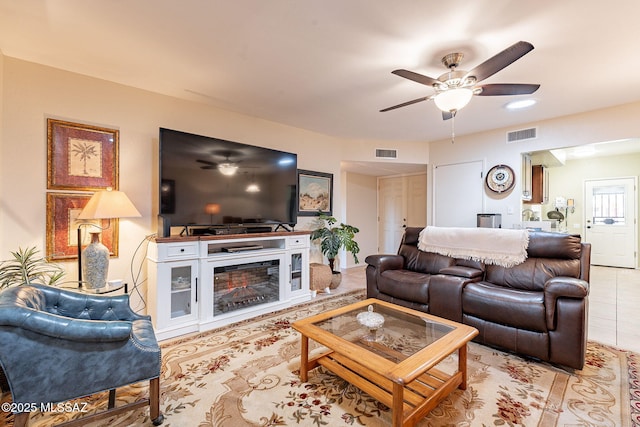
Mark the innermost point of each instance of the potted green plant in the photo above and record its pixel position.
(26, 267)
(332, 238)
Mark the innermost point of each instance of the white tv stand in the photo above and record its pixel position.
(261, 272)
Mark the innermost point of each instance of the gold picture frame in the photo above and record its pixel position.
(62, 226)
(81, 157)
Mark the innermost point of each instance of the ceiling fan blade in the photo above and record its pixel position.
(500, 61)
(499, 89)
(404, 104)
(206, 162)
(419, 78)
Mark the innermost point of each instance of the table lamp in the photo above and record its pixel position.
(93, 261)
(212, 209)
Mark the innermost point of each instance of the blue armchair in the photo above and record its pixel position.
(57, 345)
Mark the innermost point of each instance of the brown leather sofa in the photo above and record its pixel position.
(537, 308)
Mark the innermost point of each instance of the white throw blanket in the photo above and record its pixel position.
(489, 245)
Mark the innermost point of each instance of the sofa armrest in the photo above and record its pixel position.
(562, 287)
(462, 271)
(377, 264)
(385, 262)
(65, 328)
(445, 296)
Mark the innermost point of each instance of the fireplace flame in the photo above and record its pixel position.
(235, 282)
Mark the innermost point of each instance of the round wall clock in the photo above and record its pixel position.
(500, 178)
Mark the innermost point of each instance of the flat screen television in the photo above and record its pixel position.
(219, 183)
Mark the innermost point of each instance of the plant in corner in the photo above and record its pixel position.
(28, 267)
(333, 238)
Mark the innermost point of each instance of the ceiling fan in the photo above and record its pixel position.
(455, 88)
(227, 167)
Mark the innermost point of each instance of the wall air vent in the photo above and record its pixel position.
(386, 153)
(522, 135)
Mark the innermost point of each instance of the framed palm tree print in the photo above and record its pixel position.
(81, 157)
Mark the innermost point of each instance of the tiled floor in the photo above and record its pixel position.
(614, 300)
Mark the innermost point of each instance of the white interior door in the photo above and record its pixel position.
(392, 213)
(458, 190)
(416, 200)
(611, 221)
(402, 203)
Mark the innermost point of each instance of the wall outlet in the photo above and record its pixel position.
(509, 210)
(576, 225)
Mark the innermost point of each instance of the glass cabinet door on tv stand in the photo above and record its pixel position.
(298, 259)
(183, 293)
(176, 294)
(298, 272)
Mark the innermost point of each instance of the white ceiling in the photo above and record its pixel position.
(325, 65)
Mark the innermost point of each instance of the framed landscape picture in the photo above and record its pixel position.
(81, 157)
(315, 193)
(62, 226)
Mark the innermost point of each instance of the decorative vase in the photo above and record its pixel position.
(336, 278)
(95, 263)
(373, 322)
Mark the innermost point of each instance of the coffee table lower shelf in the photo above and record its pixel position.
(409, 402)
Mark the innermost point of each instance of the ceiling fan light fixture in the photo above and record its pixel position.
(453, 99)
(253, 188)
(227, 168)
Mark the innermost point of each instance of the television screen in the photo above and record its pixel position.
(211, 181)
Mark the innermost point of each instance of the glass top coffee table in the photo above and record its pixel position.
(395, 362)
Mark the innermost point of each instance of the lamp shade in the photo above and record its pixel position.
(109, 204)
(453, 99)
(212, 208)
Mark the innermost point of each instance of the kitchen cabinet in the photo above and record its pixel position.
(539, 185)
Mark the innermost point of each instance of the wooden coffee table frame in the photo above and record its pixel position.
(412, 387)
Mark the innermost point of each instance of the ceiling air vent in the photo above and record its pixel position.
(386, 153)
(522, 135)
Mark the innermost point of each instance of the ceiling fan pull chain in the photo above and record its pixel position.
(453, 125)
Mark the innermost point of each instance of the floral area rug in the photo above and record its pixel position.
(246, 374)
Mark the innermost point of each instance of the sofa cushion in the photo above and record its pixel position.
(424, 262)
(547, 244)
(497, 304)
(533, 273)
(548, 255)
(406, 285)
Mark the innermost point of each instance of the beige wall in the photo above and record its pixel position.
(490, 147)
(361, 211)
(30, 93)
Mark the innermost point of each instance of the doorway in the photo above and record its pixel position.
(402, 203)
(611, 221)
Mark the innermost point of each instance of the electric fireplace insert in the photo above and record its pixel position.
(245, 285)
